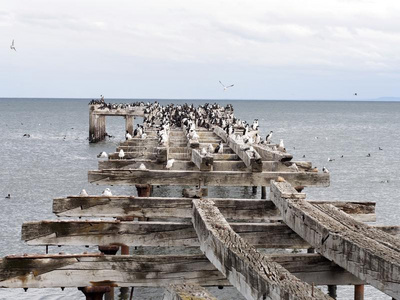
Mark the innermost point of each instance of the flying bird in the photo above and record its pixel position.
(355, 94)
(226, 87)
(107, 192)
(12, 47)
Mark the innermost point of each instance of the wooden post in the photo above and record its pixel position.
(94, 292)
(332, 291)
(359, 292)
(129, 124)
(263, 192)
(109, 250)
(97, 126)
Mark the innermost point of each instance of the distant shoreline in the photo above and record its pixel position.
(383, 99)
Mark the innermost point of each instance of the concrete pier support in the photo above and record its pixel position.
(332, 291)
(97, 127)
(129, 123)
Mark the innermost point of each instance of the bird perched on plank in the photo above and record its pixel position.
(294, 167)
(257, 138)
(128, 136)
(170, 163)
(254, 126)
(102, 155)
(268, 137)
(219, 148)
(121, 154)
(203, 151)
(83, 193)
(142, 167)
(210, 148)
(107, 192)
(281, 146)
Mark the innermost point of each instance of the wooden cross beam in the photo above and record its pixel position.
(51, 271)
(255, 210)
(368, 253)
(226, 178)
(186, 292)
(252, 273)
(202, 162)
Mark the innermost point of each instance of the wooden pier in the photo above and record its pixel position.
(231, 235)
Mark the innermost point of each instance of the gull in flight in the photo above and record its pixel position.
(12, 46)
(226, 87)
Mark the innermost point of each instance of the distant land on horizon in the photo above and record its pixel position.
(380, 99)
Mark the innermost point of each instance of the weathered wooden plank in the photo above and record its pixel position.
(267, 153)
(252, 273)
(186, 292)
(163, 234)
(251, 159)
(49, 271)
(226, 178)
(218, 165)
(219, 156)
(203, 162)
(368, 253)
(256, 210)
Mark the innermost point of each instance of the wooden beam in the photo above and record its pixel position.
(227, 178)
(163, 234)
(252, 273)
(366, 252)
(256, 210)
(186, 292)
(51, 271)
(202, 162)
(252, 160)
(218, 165)
(267, 153)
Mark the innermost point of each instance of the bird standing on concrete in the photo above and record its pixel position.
(268, 137)
(210, 148)
(128, 136)
(281, 146)
(203, 151)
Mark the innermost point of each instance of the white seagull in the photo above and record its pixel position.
(103, 155)
(121, 154)
(294, 167)
(170, 163)
(281, 146)
(226, 87)
(203, 151)
(12, 47)
(142, 167)
(107, 192)
(83, 193)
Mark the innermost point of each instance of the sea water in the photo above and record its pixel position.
(54, 160)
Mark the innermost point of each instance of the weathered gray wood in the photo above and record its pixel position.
(252, 160)
(252, 273)
(137, 111)
(203, 162)
(217, 156)
(186, 292)
(232, 178)
(49, 271)
(368, 253)
(218, 165)
(267, 153)
(256, 210)
(163, 234)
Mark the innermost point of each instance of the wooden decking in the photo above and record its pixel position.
(228, 235)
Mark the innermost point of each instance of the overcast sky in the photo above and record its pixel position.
(283, 49)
